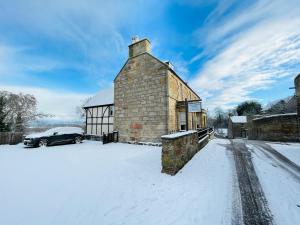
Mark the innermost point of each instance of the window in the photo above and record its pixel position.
(182, 121)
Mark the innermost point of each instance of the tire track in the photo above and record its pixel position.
(254, 203)
(277, 158)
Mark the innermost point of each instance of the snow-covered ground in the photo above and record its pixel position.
(91, 183)
(289, 150)
(222, 131)
(280, 181)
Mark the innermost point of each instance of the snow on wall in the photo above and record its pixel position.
(178, 134)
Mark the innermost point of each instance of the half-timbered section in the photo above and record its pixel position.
(99, 114)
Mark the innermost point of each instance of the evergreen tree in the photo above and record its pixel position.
(4, 127)
(249, 108)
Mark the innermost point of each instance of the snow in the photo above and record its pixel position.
(238, 119)
(289, 150)
(58, 130)
(91, 183)
(178, 134)
(281, 189)
(222, 131)
(276, 115)
(103, 97)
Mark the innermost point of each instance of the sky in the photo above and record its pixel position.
(63, 51)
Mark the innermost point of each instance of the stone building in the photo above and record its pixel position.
(151, 100)
(237, 127)
(277, 127)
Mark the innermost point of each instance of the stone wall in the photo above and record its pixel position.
(178, 149)
(140, 99)
(236, 130)
(297, 86)
(282, 127)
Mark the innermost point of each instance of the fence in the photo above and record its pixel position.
(11, 138)
(202, 133)
(110, 137)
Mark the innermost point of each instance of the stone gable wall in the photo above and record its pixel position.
(141, 100)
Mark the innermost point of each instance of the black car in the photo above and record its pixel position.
(55, 136)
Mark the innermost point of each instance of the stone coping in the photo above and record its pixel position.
(275, 115)
(178, 134)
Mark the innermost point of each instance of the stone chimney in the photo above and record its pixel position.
(139, 46)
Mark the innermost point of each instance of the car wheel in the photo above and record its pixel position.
(42, 143)
(77, 140)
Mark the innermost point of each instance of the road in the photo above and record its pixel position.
(254, 205)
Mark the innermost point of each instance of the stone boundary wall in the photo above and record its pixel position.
(297, 86)
(281, 127)
(179, 148)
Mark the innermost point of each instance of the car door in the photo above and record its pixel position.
(57, 138)
(68, 138)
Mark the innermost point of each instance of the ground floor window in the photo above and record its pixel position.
(182, 121)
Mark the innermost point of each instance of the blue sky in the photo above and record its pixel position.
(63, 51)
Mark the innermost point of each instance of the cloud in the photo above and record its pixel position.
(59, 103)
(17, 62)
(262, 45)
(90, 36)
(85, 38)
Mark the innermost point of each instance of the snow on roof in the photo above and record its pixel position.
(238, 119)
(104, 97)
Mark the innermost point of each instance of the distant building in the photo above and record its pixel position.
(237, 127)
(150, 100)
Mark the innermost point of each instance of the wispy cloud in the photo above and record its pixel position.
(91, 33)
(16, 61)
(252, 48)
(86, 38)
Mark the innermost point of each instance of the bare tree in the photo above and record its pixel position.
(80, 110)
(286, 105)
(20, 110)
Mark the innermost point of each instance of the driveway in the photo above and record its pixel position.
(261, 174)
